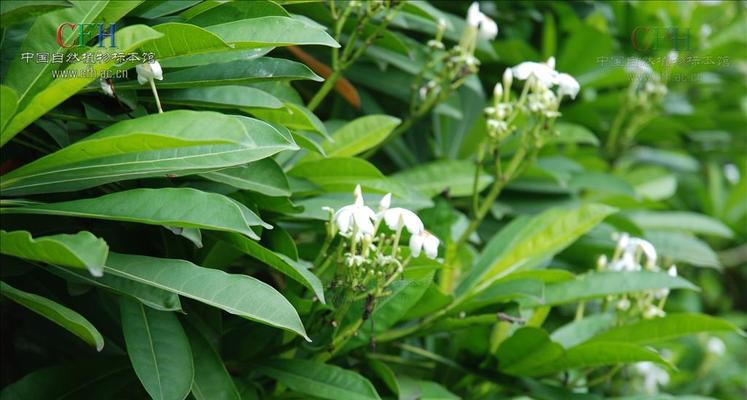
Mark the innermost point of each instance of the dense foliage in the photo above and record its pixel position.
(373, 199)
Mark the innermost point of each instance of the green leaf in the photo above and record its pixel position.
(8, 104)
(177, 142)
(602, 182)
(73, 380)
(525, 350)
(35, 101)
(82, 250)
(389, 310)
(503, 291)
(682, 247)
(681, 221)
(292, 116)
(218, 13)
(527, 241)
(573, 133)
(291, 268)
(211, 381)
(231, 97)
(320, 380)
(158, 349)
(601, 284)
(175, 207)
(359, 135)
(272, 31)
(577, 332)
(669, 327)
(263, 176)
(183, 40)
(156, 9)
(57, 313)
(153, 297)
(241, 295)
(598, 354)
(12, 12)
(236, 72)
(456, 176)
(342, 174)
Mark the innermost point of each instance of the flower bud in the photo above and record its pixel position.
(508, 78)
(498, 91)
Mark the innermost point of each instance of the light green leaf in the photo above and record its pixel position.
(359, 135)
(577, 332)
(217, 13)
(158, 349)
(57, 313)
(241, 295)
(293, 269)
(152, 297)
(681, 221)
(525, 350)
(263, 176)
(12, 12)
(272, 31)
(177, 142)
(292, 116)
(320, 380)
(527, 241)
(456, 176)
(600, 284)
(573, 133)
(211, 381)
(231, 97)
(597, 354)
(600, 181)
(35, 100)
(503, 291)
(8, 104)
(183, 40)
(669, 327)
(175, 207)
(236, 72)
(342, 174)
(682, 247)
(82, 250)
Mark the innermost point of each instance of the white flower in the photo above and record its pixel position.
(653, 376)
(567, 85)
(652, 312)
(716, 346)
(550, 62)
(544, 75)
(648, 250)
(623, 304)
(672, 271)
(487, 28)
(394, 216)
(149, 71)
(356, 216)
(385, 202)
(106, 87)
(672, 57)
(425, 241)
(638, 67)
(731, 172)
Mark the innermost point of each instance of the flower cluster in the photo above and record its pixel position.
(372, 239)
(647, 87)
(636, 254)
(537, 96)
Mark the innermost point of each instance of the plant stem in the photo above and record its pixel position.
(155, 94)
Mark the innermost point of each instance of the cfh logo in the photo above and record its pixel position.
(645, 38)
(87, 31)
